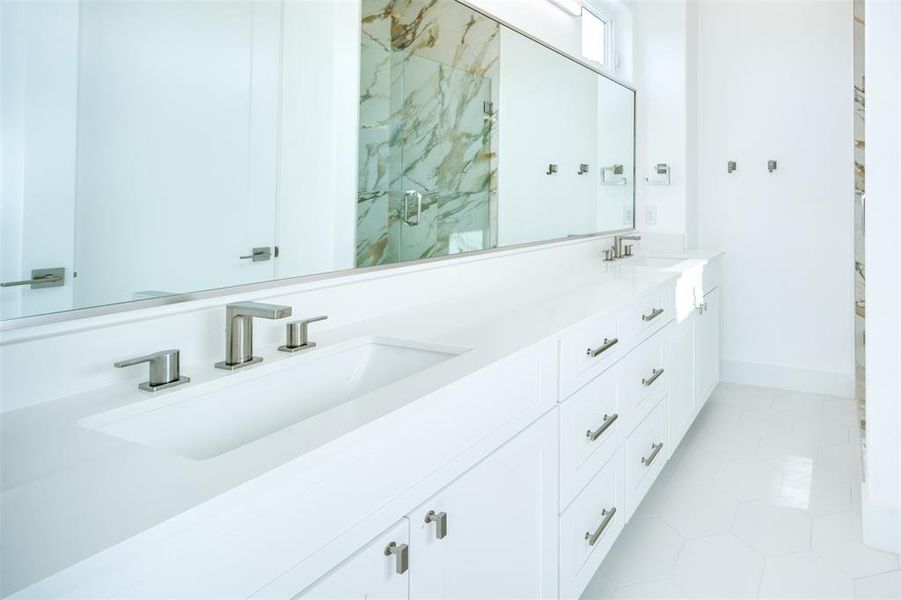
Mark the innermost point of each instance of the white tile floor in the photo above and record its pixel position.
(759, 501)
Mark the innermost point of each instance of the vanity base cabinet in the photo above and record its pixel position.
(590, 525)
(681, 406)
(492, 532)
(371, 573)
(707, 346)
(645, 454)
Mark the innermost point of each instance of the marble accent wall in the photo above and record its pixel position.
(428, 84)
(859, 229)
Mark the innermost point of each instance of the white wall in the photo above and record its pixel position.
(318, 137)
(38, 86)
(775, 82)
(882, 489)
(548, 114)
(661, 76)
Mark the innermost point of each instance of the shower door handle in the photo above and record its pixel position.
(407, 195)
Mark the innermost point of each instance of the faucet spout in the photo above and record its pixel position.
(258, 310)
(239, 331)
(618, 243)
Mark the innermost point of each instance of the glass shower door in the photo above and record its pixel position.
(443, 160)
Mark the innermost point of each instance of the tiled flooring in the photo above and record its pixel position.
(761, 500)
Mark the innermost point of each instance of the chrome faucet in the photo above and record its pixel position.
(618, 243)
(239, 331)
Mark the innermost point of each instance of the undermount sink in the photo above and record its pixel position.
(652, 262)
(221, 415)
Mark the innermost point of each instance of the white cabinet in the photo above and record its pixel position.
(492, 532)
(370, 574)
(682, 406)
(707, 347)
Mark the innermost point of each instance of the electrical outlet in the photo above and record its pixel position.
(650, 214)
(627, 215)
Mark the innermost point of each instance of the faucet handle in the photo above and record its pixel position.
(298, 334)
(164, 369)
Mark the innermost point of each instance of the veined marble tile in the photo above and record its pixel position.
(430, 71)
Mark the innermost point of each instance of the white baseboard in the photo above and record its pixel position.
(787, 378)
(881, 528)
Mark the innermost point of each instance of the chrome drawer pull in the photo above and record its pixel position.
(655, 374)
(653, 314)
(602, 348)
(440, 521)
(592, 538)
(402, 554)
(608, 421)
(655, 450)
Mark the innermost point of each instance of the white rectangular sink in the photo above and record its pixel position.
(652, 262)
(210, 419)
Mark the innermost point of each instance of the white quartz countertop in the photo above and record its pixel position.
(69, 492)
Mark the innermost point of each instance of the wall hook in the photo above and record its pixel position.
(731, 166)
(552, 168)
(661, 175)
(771, 165)
(583, 168)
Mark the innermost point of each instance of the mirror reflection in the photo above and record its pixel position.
(158, 148)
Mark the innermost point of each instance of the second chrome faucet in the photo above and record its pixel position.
(239, 332)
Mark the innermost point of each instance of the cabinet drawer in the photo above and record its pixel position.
(592, 428)
(648, 313)
(644, 377)
(589, 527)
(645, 455)
(588, 349)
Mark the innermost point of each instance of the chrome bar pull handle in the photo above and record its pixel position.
(402, 556)
(41, 278)
(164, 369)
(608, 421)
(655, 450)
(655, 374)
(440, 521)
(652, 315)
(407, 195)
(608, 343)
(592, 538)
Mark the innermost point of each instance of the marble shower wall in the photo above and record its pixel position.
(429, 73)
(859, 212)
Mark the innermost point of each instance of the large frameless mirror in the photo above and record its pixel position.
(152, 150)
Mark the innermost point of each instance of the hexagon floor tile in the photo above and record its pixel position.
(760, 501)
(765, 422)
(659, 589)
(699, 510)
(885, 585)
(804, 575)
(773, 528)
(646, 549)
(749, 479)
(719, 566)
(837, 538)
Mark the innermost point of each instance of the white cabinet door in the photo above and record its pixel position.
(371, 573)
(681, 361)
(501, 521)
(707, 347)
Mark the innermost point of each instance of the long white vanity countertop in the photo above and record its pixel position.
(70, 491)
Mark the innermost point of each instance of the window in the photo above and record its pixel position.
(597, 38)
